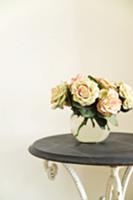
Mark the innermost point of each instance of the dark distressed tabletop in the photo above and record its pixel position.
(116, 150)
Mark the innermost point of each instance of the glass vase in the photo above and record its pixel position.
(87, 133)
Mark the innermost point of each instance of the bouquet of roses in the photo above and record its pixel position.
(95, 99)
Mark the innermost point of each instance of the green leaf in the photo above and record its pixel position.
(113, 120)
(102, 122)
(87, 112)
(92, 78)
(76, 108)
(69, 97)
(125, 110)
(75, 111)
(84, 111)
(76, 105)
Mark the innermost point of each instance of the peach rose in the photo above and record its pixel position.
(105, 84)
(109, 102)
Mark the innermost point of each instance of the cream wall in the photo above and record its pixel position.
(41, 43)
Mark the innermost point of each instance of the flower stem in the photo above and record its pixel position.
(93, 123)
(84, 122)
(108, 127)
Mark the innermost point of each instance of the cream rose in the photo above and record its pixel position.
(84, 91)
(59, 94)
(109, 102)
(126, 93)
(128, 103)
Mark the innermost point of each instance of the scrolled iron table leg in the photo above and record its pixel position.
(126, 178)
(116, 186)
(77, 182)
(51, 170)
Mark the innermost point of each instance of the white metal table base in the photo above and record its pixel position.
(116, 186)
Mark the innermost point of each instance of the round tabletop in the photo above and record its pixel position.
(117, 150)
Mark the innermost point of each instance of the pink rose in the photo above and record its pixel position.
(78, 77)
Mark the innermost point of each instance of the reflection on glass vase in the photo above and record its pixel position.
(87, 133)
